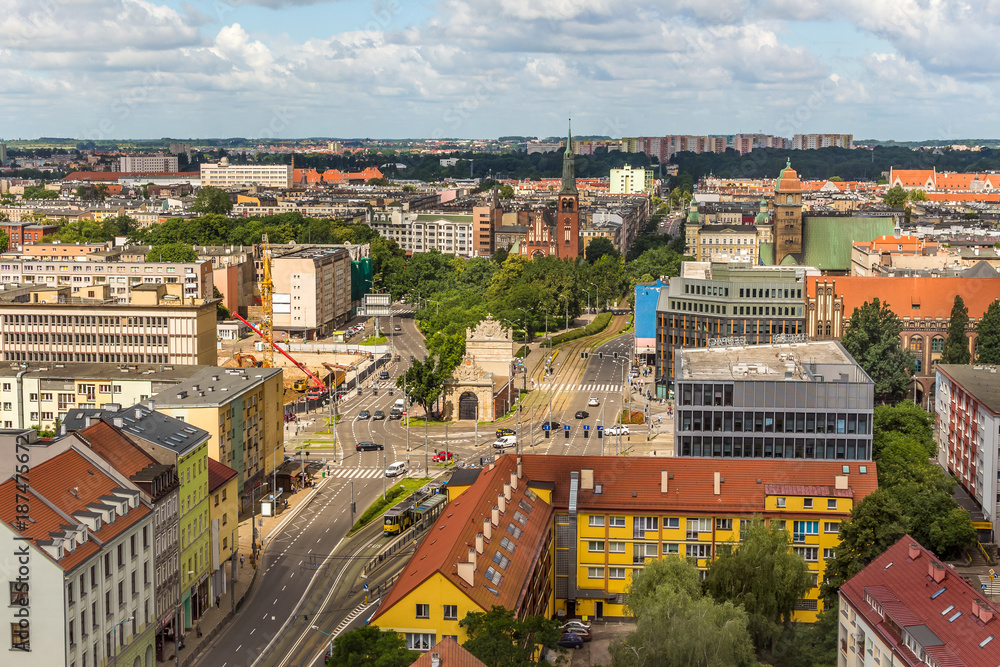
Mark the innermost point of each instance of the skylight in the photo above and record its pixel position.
(956, 615)
(950, 607)
(940, 591)
(985, 641)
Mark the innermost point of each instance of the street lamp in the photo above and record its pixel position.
(316, 628)
(597, 301)
(114, 640)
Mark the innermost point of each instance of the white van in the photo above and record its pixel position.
(505, 441)
(396, 469)
(399, 404)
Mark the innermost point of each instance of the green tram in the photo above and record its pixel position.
(422, 507)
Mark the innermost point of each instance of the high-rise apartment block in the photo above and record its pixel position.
(807, 142)
(224, 175)
(148, 164)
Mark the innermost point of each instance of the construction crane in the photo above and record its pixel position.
(267, 306)
(268, 344)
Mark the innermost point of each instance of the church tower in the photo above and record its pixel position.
(787, 214)
(567, 227)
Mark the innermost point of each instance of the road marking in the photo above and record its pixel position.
(284, 587)
(238, 648)
(253, 631)
(275, 601)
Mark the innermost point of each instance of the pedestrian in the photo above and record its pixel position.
(241, 561)
(198, 628)
(218, 601)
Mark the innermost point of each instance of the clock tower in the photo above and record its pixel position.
(787, 214)
(567, 228)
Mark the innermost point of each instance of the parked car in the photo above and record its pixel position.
(369, 446)
(582, 633)
(570, 641)
(440, 457)
(505, 442)
(553, 425)
(364, 414)
(378, 415)
(582, 414)
(384, 375)
(593, 402)
(575, 623)
(501, 432)
(396, 469)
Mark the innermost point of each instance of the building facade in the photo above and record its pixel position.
(312, 291)
(787, 222)
(629, 181)
(808, 142)
(448, 233)
(799, 401)
(148, 164)
(224, 513)
(224, 175)
(968, 425)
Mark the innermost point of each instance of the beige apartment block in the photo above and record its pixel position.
(312, 291)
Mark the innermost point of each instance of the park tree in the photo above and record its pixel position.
(4, 242)
(917, 195)
(499, 639)
(872, 338)
(907, 419)
(370, 646)
(810, 644)
(677, 625)
(956, 344)
(988, 335)
(895, 197)
(212, 200)
(172, 252)
(598, 248)
(424, 382)
(762, 574)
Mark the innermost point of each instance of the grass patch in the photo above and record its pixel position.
(372, 340)
(318, 442)
(511, 412)
(599, 324)
(415, 422)
(522, 352)
(392, 496)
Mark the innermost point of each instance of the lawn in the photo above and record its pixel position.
(392, 496)
(372, 340)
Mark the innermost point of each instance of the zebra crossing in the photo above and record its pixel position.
(355, 473)
(570, 386)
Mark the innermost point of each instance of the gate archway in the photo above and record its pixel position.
(468, 406)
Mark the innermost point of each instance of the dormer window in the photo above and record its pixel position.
(111, 515)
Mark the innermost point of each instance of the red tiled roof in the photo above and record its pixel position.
(448, 542)
(115, 175)
(218, 474)
(802, 490)
(70, 483)
(634, 482)
(451, 654)
(116, 449)
(903, 587)
(934, 296)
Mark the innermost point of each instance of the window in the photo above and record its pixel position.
(671, 522)
(641, 524)
(699, 550)
(501, 560)
(807, 503)
(671, 549)
(723, 524)
(781, 502)
(696, 526)
(520, 518)
(595, 520)
(420, 641)
(595, 546)
(494, 576)
(19, 594)
(800, 529)
(507, 544)
(450, 612)
(831, 504)
(595, 572)
(617, 522)
(423, 611)
(616, 573)
(829, 554)
(808, 554)
(616, 547)
(19, 637)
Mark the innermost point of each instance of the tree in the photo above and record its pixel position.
(370, 646)
(835, 179)
(956, 344)
(4, 242)
(917, 195)
(762, 574)
(872, 338)
(212, 200)
(598, 248)
(677, 625)
(810, 645)
(381, 182)
(499, 639)
(506, 191)
(988, 335)
(906, 419)
(876, 523)
(895, 197)
(500, 256)
(172, 252)
(424, 383)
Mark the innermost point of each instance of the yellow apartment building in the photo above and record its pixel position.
(224, 519)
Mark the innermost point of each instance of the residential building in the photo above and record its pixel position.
(908, 608)
(241, 409)
(447, 653)
(647, 296)
(82, 541)
(148, 164)
(233, 274)
(923, 303)
(903, 252)
(629, 181)
(806, 142)
(727, 243)
(486, 219)
(159, 326)
(19, 233)
(448, 233)
(967, 402)
(312, 291)
(728, 304)
(565, 534)
(224, 175)
(224, 513)
(121, 277)
(184, 447)
(43, 251)
(798, 401)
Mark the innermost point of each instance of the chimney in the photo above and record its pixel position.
(152, 405)
(119, 422)
(506, 491)
(935, 570)
(86, 421)
(487, 528)
(472, 558)
(982, 609)
(466, 571)
(479, 543)
(435, 660)
(587, 479)
(664, 481)
(501, 502)
(914, 551)
(513, 480)
(717, 483)
(496, 516)
(519, 467)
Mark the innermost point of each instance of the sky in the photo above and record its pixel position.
(282, 69)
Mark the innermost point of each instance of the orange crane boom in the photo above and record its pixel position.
(270, 343)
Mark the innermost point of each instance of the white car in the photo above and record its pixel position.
(396, 469)
(593, 403)
(505, 441)
(617, 429)
(573, 623)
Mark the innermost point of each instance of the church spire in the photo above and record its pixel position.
(569, 166)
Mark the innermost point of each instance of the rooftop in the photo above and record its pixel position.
(218, 474)
(448, 654)
(167, 373)
(159, 429)
(212, 387)
(980, 380)
(811, 362)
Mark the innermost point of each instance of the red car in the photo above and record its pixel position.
(440, 457)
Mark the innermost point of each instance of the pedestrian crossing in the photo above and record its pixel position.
(355, 473)
(570, 386)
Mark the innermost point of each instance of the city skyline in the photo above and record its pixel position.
(470, 68)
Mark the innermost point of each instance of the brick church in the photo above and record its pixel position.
(557, 233)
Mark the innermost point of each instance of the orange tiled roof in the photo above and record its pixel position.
(933, 297)
(116, 449)
(451, 654)
(912, 177)
(962, 196)
(218, 474)
(69, 482)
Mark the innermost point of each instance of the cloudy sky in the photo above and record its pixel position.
(890, 69)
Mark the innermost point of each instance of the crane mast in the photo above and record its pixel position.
(267, 303)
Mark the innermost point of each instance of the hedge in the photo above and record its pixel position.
(599, 324)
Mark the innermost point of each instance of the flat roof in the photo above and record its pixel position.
(99, 371)
(791, 361)
(980, 380)
(212, 387)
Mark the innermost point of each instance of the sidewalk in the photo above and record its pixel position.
(215, 619)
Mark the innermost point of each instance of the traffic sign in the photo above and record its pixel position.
(586, 427)
(545, 427)
(600, 428)
(566, 427)
(982, 586)
(366, 587)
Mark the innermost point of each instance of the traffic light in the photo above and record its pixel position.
(600, 435)
(566, 432)
(546, 433)
(586, 434)
(600, 355)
